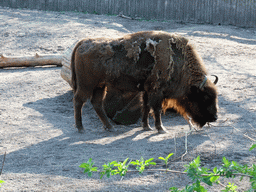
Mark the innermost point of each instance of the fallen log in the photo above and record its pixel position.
(122, 107)
(30, 61)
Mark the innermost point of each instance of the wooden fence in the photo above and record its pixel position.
(234, 12)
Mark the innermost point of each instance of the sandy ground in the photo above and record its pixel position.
(37, 130)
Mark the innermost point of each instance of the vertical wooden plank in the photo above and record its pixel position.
(80, 5)
(13, 3)
(221, 11)
(207, 11)
(183, 12)
(249, 2)
(238, 16)
(202, 8)
(160, 9)
(133, 8)
(156, 8)
(126, 7)
(61, 5)
(231, 19)
(189, 10)
(165, 9)
(55, 5)
(186, 11)
(137, 8)
(176, 9)
(203, 12)
(103, 7)
(49, 6)
(169, 10)
(147, 9)
(71, 5)
(212, 11)
(233, 12)
(97, 6)
(19, 3)
(197, 10)
(118, 6)
(112, 7)
(254, 13)
(194, 10)
(239, 12)
(109, 7)
(102, 11)
(215, 13)
(246, 13)
(90, 6)
(85, 6)
(6, 3)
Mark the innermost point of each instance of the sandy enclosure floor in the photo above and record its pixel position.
(37, 130)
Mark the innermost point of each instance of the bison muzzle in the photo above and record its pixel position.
(163, 66)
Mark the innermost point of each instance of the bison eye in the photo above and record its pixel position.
(206, 98)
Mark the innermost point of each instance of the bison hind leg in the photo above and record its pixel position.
(99, 94)
(78, 103)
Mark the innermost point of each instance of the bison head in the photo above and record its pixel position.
(201, 104)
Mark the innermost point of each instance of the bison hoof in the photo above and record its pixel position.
(161, 130)
(81, 130)
(147, 128)
(108, 128)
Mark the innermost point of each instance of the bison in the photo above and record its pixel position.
(164, 67)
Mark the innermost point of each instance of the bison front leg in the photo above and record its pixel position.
(155, 102)
(158, 122)
(97, 102)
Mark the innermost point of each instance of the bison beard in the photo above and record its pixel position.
(164, 67)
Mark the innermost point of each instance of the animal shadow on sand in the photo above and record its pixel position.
(61, 155)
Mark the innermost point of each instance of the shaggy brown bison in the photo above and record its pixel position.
(163, 66)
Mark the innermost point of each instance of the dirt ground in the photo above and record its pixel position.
(37, 132)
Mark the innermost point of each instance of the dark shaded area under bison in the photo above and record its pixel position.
(44, 149)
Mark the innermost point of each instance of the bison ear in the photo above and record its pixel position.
(194, 90)
(193, 95)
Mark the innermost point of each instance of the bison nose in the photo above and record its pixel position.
(215, 117)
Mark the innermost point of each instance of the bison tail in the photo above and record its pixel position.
(72, 66)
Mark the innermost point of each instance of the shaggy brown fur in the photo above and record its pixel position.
(162, 65)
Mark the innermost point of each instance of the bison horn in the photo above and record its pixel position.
(203, 83)
(216, 80)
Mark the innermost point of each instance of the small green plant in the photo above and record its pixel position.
(121, 167)
(252, 147)
(88, 167)
(1, 182)
(166, 159)
(230, 188)
(141, 164)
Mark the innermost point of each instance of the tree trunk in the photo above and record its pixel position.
(30, 61)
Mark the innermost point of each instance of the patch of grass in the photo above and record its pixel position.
(194, 170)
